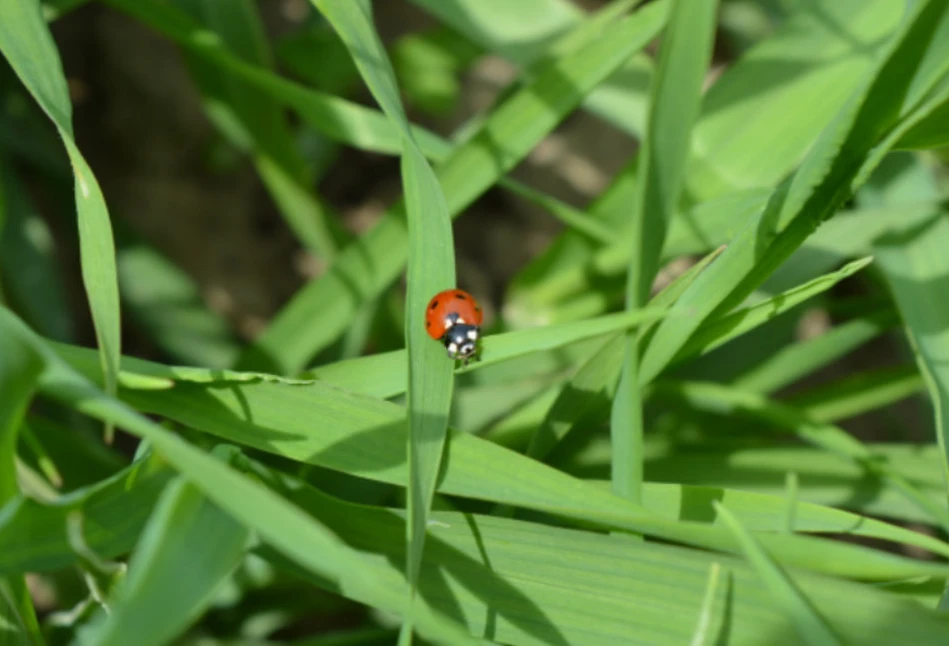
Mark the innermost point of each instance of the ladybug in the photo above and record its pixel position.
(454, 317)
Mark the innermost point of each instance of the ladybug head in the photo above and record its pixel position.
(461, 341)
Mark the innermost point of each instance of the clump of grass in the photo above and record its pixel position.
(273, 486)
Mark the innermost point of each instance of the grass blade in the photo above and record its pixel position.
(812, 628)
(914, 264)
(674, 105)
(26, 43)
(431, 269)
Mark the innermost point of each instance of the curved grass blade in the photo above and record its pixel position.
(431, 269)
(684, 56)
(810, 624)
(27, 44)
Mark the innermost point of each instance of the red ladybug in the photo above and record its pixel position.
(454, 317)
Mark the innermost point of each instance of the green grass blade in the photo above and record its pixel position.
(804, 357)
(829, 437)
(914, 264)
(389, 377)
(27, 44)
(431, 269)
(861, 393)
(820, 186)
(185, 551)
(720, 331)
(811, 626)
(596, 378)
(365, 268)
(674, 105)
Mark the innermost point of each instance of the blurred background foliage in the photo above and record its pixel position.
(233, 187)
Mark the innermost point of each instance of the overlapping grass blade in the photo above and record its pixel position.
(528, 583)
(829, 437)
(431, 269)
(187, 548)
(114, 511)
(860, 393)
(507, 135)
(804, 357)
(596, 378)
(674, 104)
(279, 523)
(28, 46)
(366, 437)
(841, 159)
(811, 626)
(720, 331)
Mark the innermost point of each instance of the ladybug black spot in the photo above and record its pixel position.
(461, 296)
(428, 324)
(433, 305)
(477, 309)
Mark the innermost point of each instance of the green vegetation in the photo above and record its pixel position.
(635, 459)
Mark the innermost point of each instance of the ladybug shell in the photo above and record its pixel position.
(438, 315)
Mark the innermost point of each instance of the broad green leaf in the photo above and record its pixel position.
(761, 117)
(366, 267)
(27, 44)
(431, 269)
(673, 106)
(187, 548)
(842, 158)
(810, 625)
